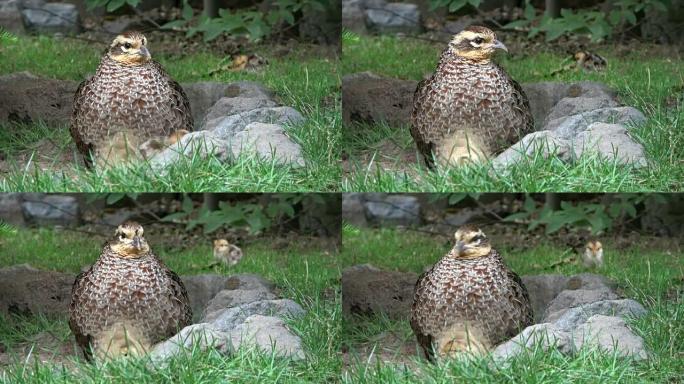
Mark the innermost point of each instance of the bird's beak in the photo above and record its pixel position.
(500, 45)
(144, 52)
(137, 243)
(460, 247)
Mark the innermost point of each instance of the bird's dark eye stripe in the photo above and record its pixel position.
(478, 40)
(127, 45)
(478, 238)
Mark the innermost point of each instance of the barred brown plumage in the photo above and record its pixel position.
(129, 100)
(469, 109)
(469, 300)
(128, 300)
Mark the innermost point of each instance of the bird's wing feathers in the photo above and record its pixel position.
(83, 340)
(181, 102)
(424, 146)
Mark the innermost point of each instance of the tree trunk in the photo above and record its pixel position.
(211, 8)
(552, 8)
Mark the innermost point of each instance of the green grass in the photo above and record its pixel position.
(302, 273)
(648, 276)
(300, 79)
(642, 79)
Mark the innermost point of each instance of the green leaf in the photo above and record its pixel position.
(174, 24)
(456, 198)
(187, 11)
(114, 198)
(114, 5)
(630, 17)
(187, 205)
(455, 5)
(517, 24)
(174, 216)
(529, 12)
(529, 205)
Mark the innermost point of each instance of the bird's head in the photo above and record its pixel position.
(129, 242)
(221, 245)
(130, 48)
(476, 43)
(471, 243)
(594, 248)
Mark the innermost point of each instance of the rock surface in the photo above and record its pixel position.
(571, 318)
(369, 98)
(268, 142)
(270, 335)
(203, 95)
(227, 106)
(51, 18)
(197, 336)
(26, 290)
(573, 298)
(609, 334)
(229, 298)
(367, 290)
(381, 210)
(393, 18)
(226, 127)
(545, 336)
(27, 98)
(229, 318)
(41, 209)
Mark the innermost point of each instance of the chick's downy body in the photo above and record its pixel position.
(124, 304)
(469, 109)
(468, 304)
(128, 101)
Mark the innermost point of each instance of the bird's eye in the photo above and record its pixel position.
(477, 239)
(127, 45)
(478, 40)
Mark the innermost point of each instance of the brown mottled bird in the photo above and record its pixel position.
(227, 253)
(129, 100)
(469, 109)
(128, 300)
(469, 300)
(593, 254)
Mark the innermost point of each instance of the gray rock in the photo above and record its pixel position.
(611, 142)
(367, 290)
(664, 218)
(545, 142)
(590, 89)
(369, 98)
(52, 18)
(50, 210)
(544, 336)
(572, 298)
(589, 281)
(200, 143)
(10, 16)
(385, 210)
(573, 317)
(197, 336)
(247, 281)
(10, 209)
(394, 18)
(229, 298)
(570, 126)
(353, 211)
(26, 290)
(269, 335)
(227, 319)
(543, 97)
(227, 106)
(203, 95)
(27, 98)
(202, 288)
(609, 334)
(542, 290)
(574, 105)
(353, 16)
(268, 142)
(227, 126)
